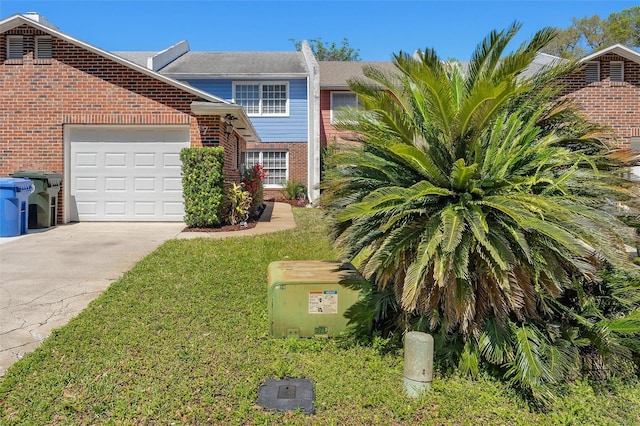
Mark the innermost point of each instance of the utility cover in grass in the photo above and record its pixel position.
(287, 395)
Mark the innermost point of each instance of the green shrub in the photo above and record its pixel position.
(202, 186)
(240, 203)
(293, 190)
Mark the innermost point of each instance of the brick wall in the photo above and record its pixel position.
(614, 104)
(38, 97)
(297, 161)
(328, 133)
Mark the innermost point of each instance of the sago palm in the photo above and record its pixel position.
(465, 191)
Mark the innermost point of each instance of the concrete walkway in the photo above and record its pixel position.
(49, 276)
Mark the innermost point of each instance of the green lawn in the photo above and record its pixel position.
(182, 339)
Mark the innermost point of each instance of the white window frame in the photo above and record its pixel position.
(587, 72)
(611, 66)
(261, 161)
(15, 40)
(38, 50)
(261, 100)
(333, 119)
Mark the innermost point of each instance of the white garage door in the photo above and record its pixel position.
(127, 173)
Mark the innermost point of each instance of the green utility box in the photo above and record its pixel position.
(310, 298)
(43, 202)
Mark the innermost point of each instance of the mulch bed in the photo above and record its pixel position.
(250, 223)
(224, 228)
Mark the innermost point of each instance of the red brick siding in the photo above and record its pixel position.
(38, 97)
(297, 161)
(613, 104)
(328, 133)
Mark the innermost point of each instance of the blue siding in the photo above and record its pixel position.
(293, 128)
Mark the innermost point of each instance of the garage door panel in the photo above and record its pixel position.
(172, 185)
(87, 208)
(115, 159)
(115, 208)
(143, 184)
(115, 184)
(143, 159)
(127, 174)
(86, 159)
(173, 209)
(170, 160)
(86, 184)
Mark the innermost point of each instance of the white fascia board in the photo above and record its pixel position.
(17, 20)
(244, 126)
(617, 49)
(335, 87)
(252, 76)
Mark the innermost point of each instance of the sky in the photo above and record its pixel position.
(377, 29)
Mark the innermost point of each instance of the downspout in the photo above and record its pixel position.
(313, 120)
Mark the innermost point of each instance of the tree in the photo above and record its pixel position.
(475, 195)
(330, 51)
(589, 34)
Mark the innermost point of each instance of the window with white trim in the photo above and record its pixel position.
(15, 47)
(264, 99)
(592, 72)
(341, 100)
(43, 47)
(275, 163)
(616, 70)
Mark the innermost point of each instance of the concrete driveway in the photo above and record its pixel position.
(48, 277)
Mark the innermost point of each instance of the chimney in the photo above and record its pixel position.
(35, 16)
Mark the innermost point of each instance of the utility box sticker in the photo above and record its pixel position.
(323, 302)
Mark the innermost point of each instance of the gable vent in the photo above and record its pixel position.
(617, 71)
(43, 47)
(14, 47)
(592, 72)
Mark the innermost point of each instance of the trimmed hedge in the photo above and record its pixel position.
(202, 186)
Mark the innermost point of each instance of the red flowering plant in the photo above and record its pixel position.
(253, 183)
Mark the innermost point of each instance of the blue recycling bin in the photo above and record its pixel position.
(14, 199)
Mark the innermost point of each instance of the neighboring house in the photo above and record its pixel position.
(279, 93)
(335, 94)
(607, 90)
(113, 129)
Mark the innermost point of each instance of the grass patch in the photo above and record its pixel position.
(182, 338)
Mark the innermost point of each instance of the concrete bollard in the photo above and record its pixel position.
(418, 363)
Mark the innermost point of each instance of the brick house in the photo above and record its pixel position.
(335, 93)
(607, 90)
(112, 128)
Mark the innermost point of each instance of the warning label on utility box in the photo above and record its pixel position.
(323, 302)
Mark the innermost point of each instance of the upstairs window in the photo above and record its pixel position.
(15, 47)
(43, 47)
(616, 70)
(262, 99)
(341, 100)
(592, 72)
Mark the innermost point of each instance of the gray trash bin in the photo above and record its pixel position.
(43, 202)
